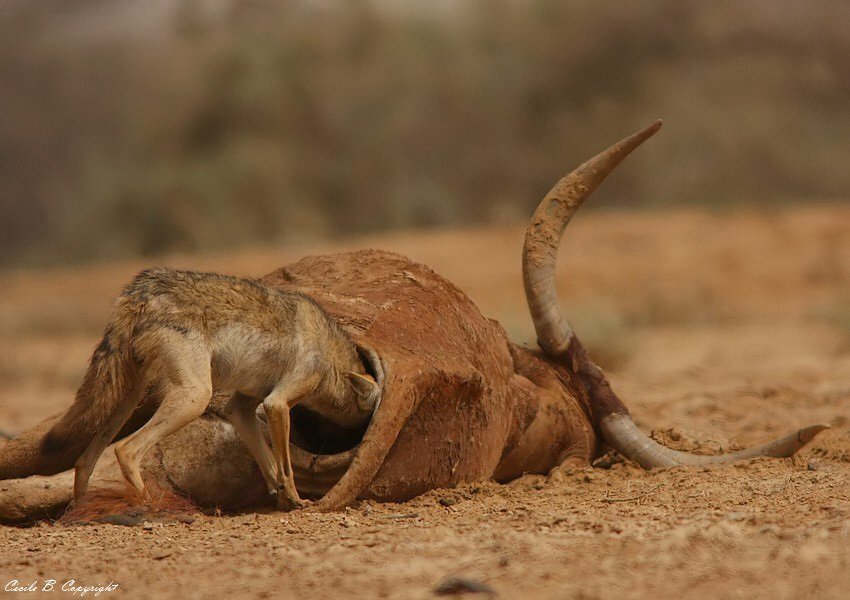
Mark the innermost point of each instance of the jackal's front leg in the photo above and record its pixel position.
(277, 405)
(241, 411)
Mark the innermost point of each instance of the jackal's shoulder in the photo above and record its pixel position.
(160, 280)
(214, 296)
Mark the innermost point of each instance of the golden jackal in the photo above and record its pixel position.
(192, 333)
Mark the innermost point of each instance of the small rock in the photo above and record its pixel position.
(448, 501)
(161, 554)
(184, 518)
(460, 585)
(126, 520)
(147, 525)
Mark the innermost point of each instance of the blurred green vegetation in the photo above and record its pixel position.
(133, 128)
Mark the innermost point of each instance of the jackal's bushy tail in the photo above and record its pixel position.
(109, 379)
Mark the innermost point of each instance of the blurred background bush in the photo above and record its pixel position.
(134, 128)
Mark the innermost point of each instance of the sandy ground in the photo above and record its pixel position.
(720, 331)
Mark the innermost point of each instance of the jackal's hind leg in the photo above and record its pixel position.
(180, 406)
(87, 461)
(277, 405)
(241, 411)
(186, 385)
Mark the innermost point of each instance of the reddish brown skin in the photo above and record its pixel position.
(468, 404)
(460, 401)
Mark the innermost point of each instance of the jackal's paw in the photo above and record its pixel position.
(288, 504)
(320, 507)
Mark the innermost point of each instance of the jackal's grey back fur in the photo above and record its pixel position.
(248, 317)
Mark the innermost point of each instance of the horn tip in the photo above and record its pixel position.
(636, 139)
(652, 128)
(806, 434)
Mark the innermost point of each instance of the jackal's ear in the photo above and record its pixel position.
(367, 390)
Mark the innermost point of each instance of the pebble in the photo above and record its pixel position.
(460, 585)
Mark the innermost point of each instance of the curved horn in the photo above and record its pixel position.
(398, 403)
(543, 237)
(623, 435)
(556, 338)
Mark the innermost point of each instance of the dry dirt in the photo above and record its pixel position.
(721, 331)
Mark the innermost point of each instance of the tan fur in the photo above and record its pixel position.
(190, 334)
